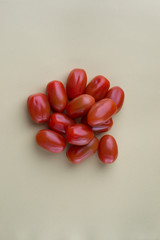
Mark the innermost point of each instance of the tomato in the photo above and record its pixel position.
(100, 128)
(59, 122)
(57, 95)
(79, 134)
(98, 87)
(76, 83)
(108, 149)
(117, 95)
(51, 141)
(101, 112)
(77, 154)
(38, 107)
(79, 106)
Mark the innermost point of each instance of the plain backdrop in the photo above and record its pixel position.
(43, 196)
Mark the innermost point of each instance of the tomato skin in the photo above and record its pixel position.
(51, 141)
(117, 95)
(79, 134)
(98, 87)
(76, 83)
(59, 122)
(38, 107)
(100, 128)
(57, 95)
(108, 149)
(77, 154)
(101, 111)
(79, 106)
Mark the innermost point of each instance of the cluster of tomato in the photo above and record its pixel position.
(95, 104)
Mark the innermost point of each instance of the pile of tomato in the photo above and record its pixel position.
(88, 112)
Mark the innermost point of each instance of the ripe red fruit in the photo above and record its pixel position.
(57, 95)
(79, 106)
(77, 154)
(59, 122)
(98, 87)
(76, 83)
(38, 107)
(100, 128)
(51, 141)
(101, 112)
(108, 149)
(117, 95)
(79, 134)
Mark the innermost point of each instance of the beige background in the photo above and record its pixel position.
(42, 196)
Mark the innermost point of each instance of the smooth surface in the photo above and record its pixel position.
(57, 95)
(117, 95)
(100, 128)
(77, 154)
(59, 122)
(98, 87)
(51, 140)
(42, 195)
(101, 112)
(76, 83)
(107, 149)
(79, 134)
(79, 106)
(39, 108)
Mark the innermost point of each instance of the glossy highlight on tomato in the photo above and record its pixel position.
(108, 149)
(79, 106)
(77, 154)
(51, 140)
(79, 134)
(95, 104)
(59, 122)
(100, 128)
(76, 83)
(38, 107)
(101, 112)
(117, 95)
(57, 95)
(98, 87)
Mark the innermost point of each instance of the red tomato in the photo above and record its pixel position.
(77, 154)
(101, 112)
(59, 122)
(100, 128)
(79, 134)
(76, 83)
(108, 149)
(79, 106)
(98, 87)
(117, 95)
(38, 107)
(51, 141)
(57, 95)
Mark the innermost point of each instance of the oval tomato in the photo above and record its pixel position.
(108, 149)
(59, 122)
(79, 106)
(100, 128)
(50, 140)
(76, 83)
(57, 95)
(98, 87)
(38, 107)
(77, 154)
(79, 134)
(101, 112)
(117, 95)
